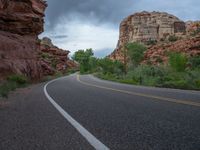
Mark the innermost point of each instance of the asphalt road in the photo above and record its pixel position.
(83, 112)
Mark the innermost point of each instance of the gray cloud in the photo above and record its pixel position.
(99, 10)
(113, 11)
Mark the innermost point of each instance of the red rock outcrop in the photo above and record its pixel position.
(159, 53)
(21, 52)
(155, 26)
(147, 26)
(24, 17)
(53, 58)
(192, 27)
(20, 23)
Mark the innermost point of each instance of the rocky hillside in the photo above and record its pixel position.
(21, 21)
(156, 28)
(53, 58)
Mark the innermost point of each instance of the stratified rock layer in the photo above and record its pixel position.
(147, 26)
(20, 23)
(53, 58)
(24, 17)
(159, 53)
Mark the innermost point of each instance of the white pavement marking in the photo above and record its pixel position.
(84, 132)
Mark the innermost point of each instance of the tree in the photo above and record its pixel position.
(83, 58)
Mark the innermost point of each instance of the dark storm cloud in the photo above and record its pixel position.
(110, 11)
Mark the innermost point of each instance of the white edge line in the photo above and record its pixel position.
(84, 132)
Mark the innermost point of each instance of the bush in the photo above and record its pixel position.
(45, 55)
(151, 42)
(136, 52)
(197, 83)
(172, 38)
(111, 67)
(178, 61)
(181, 84)
(19, 79)
(13, 82)
(194, 62)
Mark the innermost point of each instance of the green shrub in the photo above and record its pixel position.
(136, 52)
(19, 79)
(178, 61)
(151, 42)
(197, 83)
(13, 82)
(172, 38)
(109, 66)
(45, 55)
(194, 62)
(181, 84)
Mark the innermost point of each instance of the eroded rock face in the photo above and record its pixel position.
(159, 53)
(192, 27)
(20, 23)
(147, 26)
(53, 58)
(24, 17)
(18, 55)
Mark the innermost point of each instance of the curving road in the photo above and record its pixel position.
(83, 112)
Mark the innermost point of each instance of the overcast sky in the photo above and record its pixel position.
(81, 24)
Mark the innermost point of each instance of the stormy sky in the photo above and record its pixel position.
(81, 24)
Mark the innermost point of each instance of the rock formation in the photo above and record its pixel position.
(21, 21)
(53, 58)
(154, 26)
(147, 26)
(24, 17)
(159, 53)
(192, 27)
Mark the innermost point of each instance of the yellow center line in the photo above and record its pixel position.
(160, 98)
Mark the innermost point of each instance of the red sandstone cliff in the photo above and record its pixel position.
(21, 21)
(159, 53)
(53, 58)
(156, 26)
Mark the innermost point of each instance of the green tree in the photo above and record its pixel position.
(83, 58)
(136, 52)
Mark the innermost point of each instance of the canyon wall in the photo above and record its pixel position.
(21, 21)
